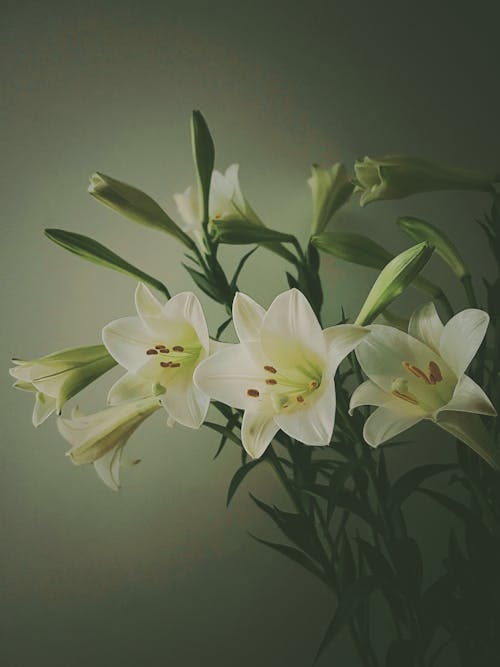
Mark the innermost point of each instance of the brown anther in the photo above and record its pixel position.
(178, 348)
(270, 369)
(271, 381)
(176, 365)
(313, 384)
(416, 371)
(434, 373)
(164, 350)
(165, 364)
(253, 392)
(405, 397)
(151, 351)
(159, 347)
(300, 399)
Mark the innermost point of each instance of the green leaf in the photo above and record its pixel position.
(134, 205)
(240, 266)
(238, 477)
(244, 232)
(91, 250)
(204, 284)
(401, 653)
(204, 159)
(293, 554)
(231, 423)
(223, 430)
(412, 479)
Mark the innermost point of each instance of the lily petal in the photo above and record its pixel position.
(44, 407)
(469, 397)
(257, 432)
(385, 423)
(248, 316)
(426, 326)
(129, 387)
(108, 467)
(461, 338)
(471, 430)
(341, 340)
(311, 424)
(184, 310)
(127, 341)
(368, 393)
(186, 402)
(147, 305)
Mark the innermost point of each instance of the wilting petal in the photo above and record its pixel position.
(44, 407)
(248, 316)
(129, 387)
(368, 393)
(426, 325)
(257, 431)
(469, 397)
(127, 341)
(313, 422)
(108, 467)
(471, 430)
(184, 312)
(385, 423)
(290, 330)
(461, 338)
(341, 340)
(185, 402)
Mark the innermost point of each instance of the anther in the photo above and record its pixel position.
(300, 399)
(159, 347)
(176, 365)
(253, 392)
(165, 364)
(164, 350)
(151, 351)
(313, 384)
(178, 348)
(416, 371)
(434, 373)
(271, 381)
(405, 397)
(270, 369)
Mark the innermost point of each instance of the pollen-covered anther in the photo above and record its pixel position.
(178, 348)
(159, 347)
(151, 351)
(174, 365)
(164, 350)
(254, 393)
(300, 399)
(270, 369)
(417, 372)
(405, 397)
(313, 384)
(165, 364)
(435, 374)
(271, 381)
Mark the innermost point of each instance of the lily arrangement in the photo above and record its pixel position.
(293, 393)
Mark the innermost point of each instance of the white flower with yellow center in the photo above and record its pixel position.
(281, 373)
(421, 375)
(160, 350)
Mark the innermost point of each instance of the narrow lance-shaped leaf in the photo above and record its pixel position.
(134, 205)
(204, 158)
(95, 252)
(293, 554)
(412, 479)
(243, 232)
(238, 477)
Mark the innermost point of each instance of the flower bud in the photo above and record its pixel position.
(331, 188)
(397, 176)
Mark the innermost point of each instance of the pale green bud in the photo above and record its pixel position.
(397, 176)
(331, 188)
(394, 278)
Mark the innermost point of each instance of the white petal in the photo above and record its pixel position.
(185, 402)
(385, 423)
(44, 407)
(248, 316)
(127, 340)
(22, 372)
(461, 338)
(469, 397)
(257, 431)
(187, 205)
(227, 375)
(108, 467)
(341, 340)
(471, 430)
(185, 309)
(146, 304)
(290, 331)
(426, 325)
(312, 423)
(129, 387)
(368, 393)
(217, 346)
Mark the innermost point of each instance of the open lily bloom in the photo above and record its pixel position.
(281, 373)
(226, 201)
(160, 350)
(421, 375)
(100, 438)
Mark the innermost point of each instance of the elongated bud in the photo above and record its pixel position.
(397, 176)
(243, 232)
(331, 188)
(134, 205)
(204, 158)
(393, 280)
(419, 230)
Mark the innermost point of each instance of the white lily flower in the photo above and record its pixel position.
(281, 373)
(421, 375)
(100, 438)
(160, 350)
(59, 376)
(226, 201)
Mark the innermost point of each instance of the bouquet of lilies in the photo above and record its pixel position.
(315, 402)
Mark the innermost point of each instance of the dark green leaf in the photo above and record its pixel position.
(238, 477)
(223, 430)
(231, 423)
(204, 158)
(294, 554)
(401, 653)
(412, 479)
(240, 266)
(204, 284)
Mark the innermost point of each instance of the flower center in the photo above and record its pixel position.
(174, 356)
(290, 388)
(426, 388)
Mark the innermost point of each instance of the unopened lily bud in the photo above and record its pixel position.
(419, 230)
(133, 204)
(58, 377)
(331, 188)
(393, 280)
(397, 176)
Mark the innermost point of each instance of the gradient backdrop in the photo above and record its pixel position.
(162, 573)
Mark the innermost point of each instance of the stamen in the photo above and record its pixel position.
(254, 393)
(416, 371)
(159, 346)
(271, 381)
(300, 399)
(405, 397)
(165, 364)
(151, 351)
(434, 373)
(176, 365)
(313, 384)
(178, 348)
(270, 369)
(164, 350)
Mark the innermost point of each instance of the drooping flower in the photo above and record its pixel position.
(160, 350)
(281, 373)
(57, 377)
(421, 375)
(100, 438)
